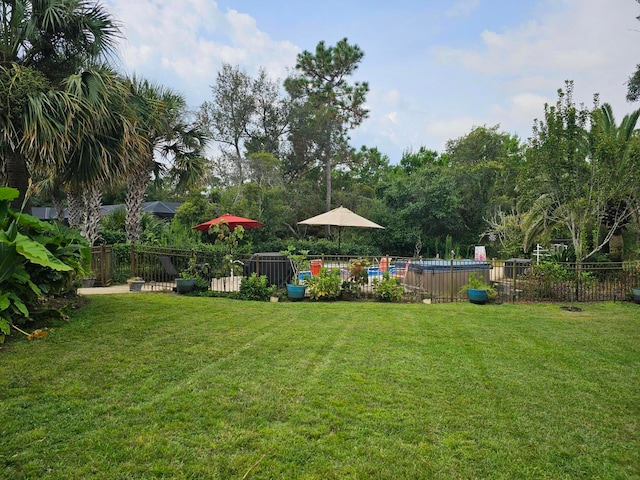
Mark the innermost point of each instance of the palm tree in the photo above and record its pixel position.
(598, 189)
(99, 156)
(42, 44)
(611, 146)
(162, 122)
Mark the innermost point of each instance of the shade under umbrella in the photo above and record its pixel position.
(340, 217)
(232, 221)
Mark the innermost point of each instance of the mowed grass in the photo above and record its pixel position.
(161, 386)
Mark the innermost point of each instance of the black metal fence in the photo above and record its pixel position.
(438, 280)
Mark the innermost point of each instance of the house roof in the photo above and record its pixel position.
(165, 210)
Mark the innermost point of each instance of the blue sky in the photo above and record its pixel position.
(435, 68)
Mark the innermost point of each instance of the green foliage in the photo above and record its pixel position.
(422, 205)
(552, 272)
(256, 288)
(326, 285)
(299, 262)
(325, 106)
(317, 246)
(200, 271)
(226, 237)
(112, 237)
(358, 271)
(633, 93)
(36, 259)
(477, 283)
(484, 164)
(122, 259)
(388, 289)
(553, 280)
(193, 211)
(580, 174)
(505, 234)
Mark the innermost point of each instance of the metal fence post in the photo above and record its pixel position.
(453, 253)
(133, 261)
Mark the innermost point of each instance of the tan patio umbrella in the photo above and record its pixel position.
(340, 217)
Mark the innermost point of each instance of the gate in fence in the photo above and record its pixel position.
(102, 264)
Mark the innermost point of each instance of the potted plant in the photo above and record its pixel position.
(299, 263)
(186, 282)
(135, 284)
(88, 280)
(635, 292)
(478, 290)
(197, 276)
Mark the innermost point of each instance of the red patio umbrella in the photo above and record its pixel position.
(232, 220)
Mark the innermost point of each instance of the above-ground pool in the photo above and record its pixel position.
(442, 277)
(375, 271)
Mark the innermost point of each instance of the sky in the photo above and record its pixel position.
(435, 68)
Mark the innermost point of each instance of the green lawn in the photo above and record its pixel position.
(161, 386)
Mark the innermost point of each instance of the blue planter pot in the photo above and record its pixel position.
(479, 297)
(636, 294)
(296, 292)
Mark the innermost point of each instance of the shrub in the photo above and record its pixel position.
(388, 289)
(36, 259)
(326, 285)
(548, 280)
(358, 272)
(256, 288)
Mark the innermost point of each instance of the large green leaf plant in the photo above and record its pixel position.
(36, 259)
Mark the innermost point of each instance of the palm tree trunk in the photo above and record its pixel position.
(3, 171)
(137, 186)
(93, 201)
(58, 204)
(76, 207)
(17, 176)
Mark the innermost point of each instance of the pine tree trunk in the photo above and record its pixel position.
(327, 174)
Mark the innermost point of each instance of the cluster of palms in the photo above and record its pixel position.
(71, 121)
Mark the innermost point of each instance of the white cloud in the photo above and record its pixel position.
(462, 7)
(392, 117)
(436, 85)
(449, 129)
(529, 102)
(190, 39)
(521, 67)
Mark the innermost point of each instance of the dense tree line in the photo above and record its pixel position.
(75, 133)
